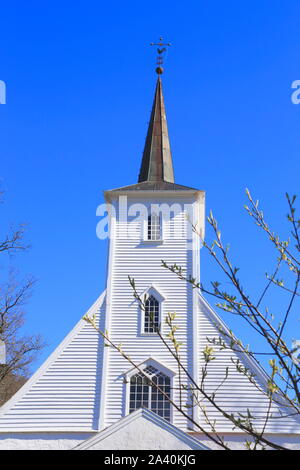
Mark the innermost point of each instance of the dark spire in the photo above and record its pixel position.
(157, 162)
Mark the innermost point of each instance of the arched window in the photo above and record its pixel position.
(154, 227)
(151, 315)
(145, 395)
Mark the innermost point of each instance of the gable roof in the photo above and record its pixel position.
(64, 393)
(237, 394)
(144, 430)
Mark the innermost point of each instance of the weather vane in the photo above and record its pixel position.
(160, 50)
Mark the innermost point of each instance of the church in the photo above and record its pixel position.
(89, 396)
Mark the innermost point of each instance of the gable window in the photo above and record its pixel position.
(145, 395)
(154, 227)
(151, 315)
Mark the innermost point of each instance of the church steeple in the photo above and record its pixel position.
(156, 171)
(157, 162)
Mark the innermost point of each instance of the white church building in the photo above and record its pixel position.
(88, 396)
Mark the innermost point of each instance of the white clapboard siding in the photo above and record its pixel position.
(81, 387)
(237, 394)
(64, 394)
(141, 260)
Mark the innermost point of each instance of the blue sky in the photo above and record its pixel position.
(80, 81)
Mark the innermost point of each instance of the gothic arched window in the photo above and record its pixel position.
(145, 395)
(151, 315)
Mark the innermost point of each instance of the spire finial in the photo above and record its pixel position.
(160, 50)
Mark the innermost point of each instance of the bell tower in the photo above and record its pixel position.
(151, 221)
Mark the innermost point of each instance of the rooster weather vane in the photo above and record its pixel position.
(160, 51)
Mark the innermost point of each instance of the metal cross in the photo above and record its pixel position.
(160, 51)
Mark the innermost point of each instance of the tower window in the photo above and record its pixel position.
(145, 395)
(151, 315)
(154, 227)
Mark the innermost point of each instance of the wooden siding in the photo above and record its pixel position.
(142, 260)
(81, 387)
(64, 393)
(237, 394)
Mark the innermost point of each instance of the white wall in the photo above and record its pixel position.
(141, 260)
(237, 442)
(41, 441)
(64, 394)
(152, 440)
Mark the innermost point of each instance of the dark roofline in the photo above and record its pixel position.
(155, 186)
